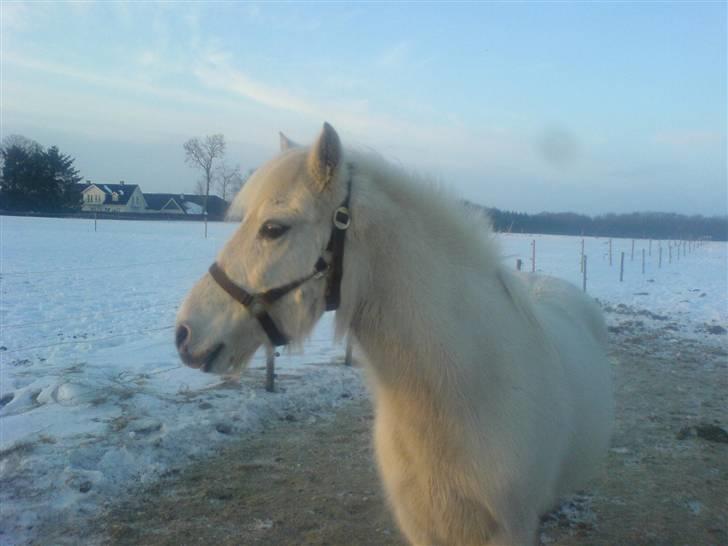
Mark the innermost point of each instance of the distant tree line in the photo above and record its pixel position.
(35, 179)
(652, 225)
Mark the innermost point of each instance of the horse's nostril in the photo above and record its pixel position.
(183, 332)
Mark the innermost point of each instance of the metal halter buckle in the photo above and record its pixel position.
(342, 218)
(256, 306)
(322, 273)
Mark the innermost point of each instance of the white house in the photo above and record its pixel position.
(112, 198)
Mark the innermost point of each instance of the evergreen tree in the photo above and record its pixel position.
(34, 179)
(62, 178)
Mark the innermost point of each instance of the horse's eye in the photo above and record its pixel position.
(271, 230)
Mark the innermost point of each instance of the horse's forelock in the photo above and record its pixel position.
(285, 167)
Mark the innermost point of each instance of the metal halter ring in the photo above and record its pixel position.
(342, 218)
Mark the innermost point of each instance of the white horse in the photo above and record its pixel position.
(492, 390)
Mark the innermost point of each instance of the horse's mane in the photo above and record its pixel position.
(443, 214)
(467, 234)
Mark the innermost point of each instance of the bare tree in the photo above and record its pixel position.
(200, 186)
(201, 154)
(239, 183)
(229, 180)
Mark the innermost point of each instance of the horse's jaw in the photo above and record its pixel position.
(219, 358)
(229, 361)
(211, 341)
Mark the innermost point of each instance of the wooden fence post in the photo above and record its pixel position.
(621, 267)
(349, 350)
(270, 374)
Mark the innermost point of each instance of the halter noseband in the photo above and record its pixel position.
(258, 303)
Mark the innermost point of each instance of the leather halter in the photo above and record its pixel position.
(258, 303)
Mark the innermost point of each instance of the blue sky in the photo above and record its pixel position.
(590, 107)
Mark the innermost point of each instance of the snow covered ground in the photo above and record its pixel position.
(693, 288)
(92, 395)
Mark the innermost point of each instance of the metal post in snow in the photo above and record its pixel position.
(349, 350)
(643, 261)
(95, 214)
(581, 258)
(669, 253)
(533, 256)
(659, 256)
(270, 369)
(631, 257)
(583, 274)
(650, 253)
(621, 267)
(610, 253)
(519, 264)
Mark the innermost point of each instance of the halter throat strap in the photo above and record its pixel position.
(257, 304)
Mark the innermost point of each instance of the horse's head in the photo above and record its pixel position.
(276, 265)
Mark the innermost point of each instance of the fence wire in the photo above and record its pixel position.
(146, 331)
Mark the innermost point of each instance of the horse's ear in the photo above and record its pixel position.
(324, 156)
(287, 143)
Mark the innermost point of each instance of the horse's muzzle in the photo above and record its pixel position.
(202, 361)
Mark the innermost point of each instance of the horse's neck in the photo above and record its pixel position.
(413, 295)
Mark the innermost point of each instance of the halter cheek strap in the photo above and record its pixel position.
(258, 304)
(341, 221)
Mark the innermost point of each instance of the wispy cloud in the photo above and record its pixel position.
(136, 86)
(214, 71)
(395, 56)
(109, 104)
(454, 142)
(17, 16)
(689, 138)
(291, 19)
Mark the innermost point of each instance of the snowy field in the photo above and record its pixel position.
(93, 398)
